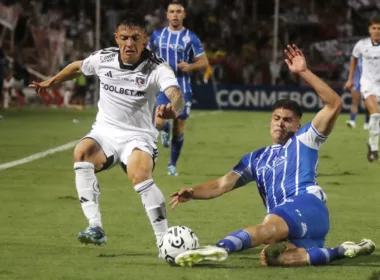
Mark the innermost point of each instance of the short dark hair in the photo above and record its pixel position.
(175, 3)
(289, 105)
(131, 18)
(374, 20)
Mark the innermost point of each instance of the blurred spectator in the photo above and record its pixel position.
(237, 33)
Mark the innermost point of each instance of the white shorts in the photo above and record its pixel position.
(368, 88)
(118, 144)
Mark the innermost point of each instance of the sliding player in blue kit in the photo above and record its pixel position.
(297, 222)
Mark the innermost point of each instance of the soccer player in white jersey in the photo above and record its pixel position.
(369, 50)
(124, 131)
(285, 173)
(183, 51)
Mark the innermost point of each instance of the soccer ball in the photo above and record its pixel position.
(176, 240)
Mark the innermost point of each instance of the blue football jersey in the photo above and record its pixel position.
(284, 171)
(174, 46)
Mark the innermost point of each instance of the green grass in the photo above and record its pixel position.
(40, 213)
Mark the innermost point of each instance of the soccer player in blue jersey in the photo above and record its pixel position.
(351, 123)
(297, 222)
(183, 51)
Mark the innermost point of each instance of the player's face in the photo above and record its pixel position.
(131, 41)
(283, 125)
(175, 15)
(374, 32)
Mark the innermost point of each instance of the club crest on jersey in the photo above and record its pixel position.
(140, 81)
(186, 39)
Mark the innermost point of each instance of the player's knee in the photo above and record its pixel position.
(271, 233)
(87, 150)
(81, 154)
(139, 177)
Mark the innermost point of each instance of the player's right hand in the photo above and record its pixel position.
(349, 84)
(183, 195)
(166, 112)
(40, 86)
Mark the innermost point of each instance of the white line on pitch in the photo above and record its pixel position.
(38, 155)
(64, 148)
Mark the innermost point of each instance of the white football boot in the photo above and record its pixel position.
(206, 253)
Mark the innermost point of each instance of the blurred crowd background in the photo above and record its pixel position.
(237, 36)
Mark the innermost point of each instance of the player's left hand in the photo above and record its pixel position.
(296, 60)
(181, 196)
(166, 112)
(184, 66)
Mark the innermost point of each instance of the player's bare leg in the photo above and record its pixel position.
(354, 109)
(272, 230)
(139, 170)
(88, 158)
(177, 143)
(287, 254)
(283, 254)
(164, 127)
(371, 103)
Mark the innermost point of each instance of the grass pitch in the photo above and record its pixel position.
(41, 215)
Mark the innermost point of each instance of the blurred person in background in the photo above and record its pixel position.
(369, 50)
(183, 51)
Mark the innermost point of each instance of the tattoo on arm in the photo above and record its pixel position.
(176, 98)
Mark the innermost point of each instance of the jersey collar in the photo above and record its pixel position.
(374, 43)
(144, 56)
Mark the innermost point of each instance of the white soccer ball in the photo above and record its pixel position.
(176, 240)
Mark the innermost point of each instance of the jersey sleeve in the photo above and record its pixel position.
(152, 42)
(165, 77)
(91, 64)
(244, 169)
(357, 51)
(310, 136)
(197, 46)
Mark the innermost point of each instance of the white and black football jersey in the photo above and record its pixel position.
(128, 91)
(370, 53)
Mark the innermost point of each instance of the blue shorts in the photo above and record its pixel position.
(162, 99)
(307, 218)
(357, 76)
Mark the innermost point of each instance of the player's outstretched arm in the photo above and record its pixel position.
(325, 119)
(350, 82)
(208, 190)
(176, 105)
(70, 72)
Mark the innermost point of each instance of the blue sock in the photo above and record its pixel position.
(235, 242)
(322, 256)
(353, 116)
(366, 118)
(177, 142)
(166, 127)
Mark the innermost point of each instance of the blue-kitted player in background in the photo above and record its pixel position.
(183, 51)
(297, 222)
(356, 95)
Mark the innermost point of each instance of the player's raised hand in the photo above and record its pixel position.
(166, 111)
(40, 86)
(181, 196)
(184, 66)
(296, 60)
(348, 85)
